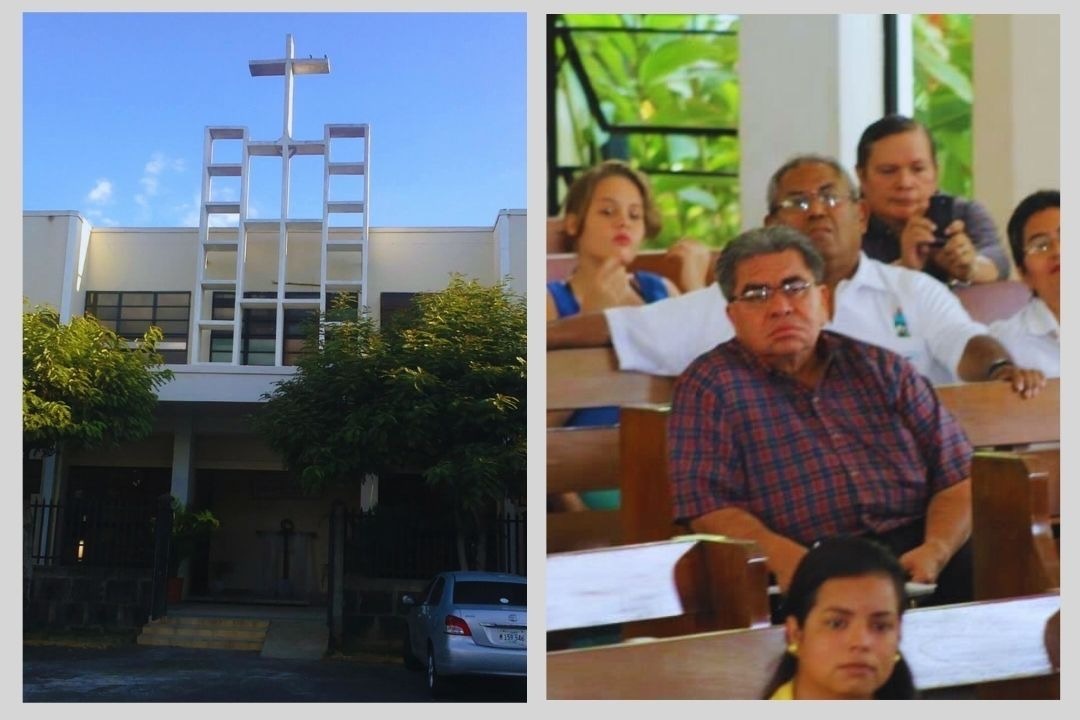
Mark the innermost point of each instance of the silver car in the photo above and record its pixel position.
(467, 623)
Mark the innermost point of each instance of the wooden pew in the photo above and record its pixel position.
(1013, 543)
(587, 458)
(689, 584)
(1015, 504)
(953, 646)
(987, 302)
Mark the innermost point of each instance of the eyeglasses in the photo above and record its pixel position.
(803, 201)
(759, 294)
(1042, 244)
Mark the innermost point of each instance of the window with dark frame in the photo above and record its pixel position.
(131, 313)
(259, 326)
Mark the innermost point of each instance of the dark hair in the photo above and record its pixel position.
(883, 128)
(772, 192)
(1033, 203)
(838, 558)
(580, 195)
(765, 241)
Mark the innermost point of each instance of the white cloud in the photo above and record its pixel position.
(99, 218)
(150, 184)
(154, 183)
(224, 193)
(101, 193)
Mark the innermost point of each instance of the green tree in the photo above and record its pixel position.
(944, 93)
(659, 70)
(83, 386)
(440, 391)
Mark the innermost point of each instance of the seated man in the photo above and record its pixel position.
(1033, 335)
(788, 434)
(896, 308)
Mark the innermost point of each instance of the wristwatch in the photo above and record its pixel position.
(997, 365)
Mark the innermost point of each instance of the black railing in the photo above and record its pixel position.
(93, 533)
(392, 544)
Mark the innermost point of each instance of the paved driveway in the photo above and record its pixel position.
(140, 673)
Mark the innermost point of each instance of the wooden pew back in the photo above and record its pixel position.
(685, 585)
(987, 302)
(587, 458)
(1012, 536)
(946, 647)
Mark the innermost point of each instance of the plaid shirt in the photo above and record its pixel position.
(862, 452)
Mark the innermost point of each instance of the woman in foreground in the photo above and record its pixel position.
(842, 620)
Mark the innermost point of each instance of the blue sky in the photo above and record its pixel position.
(115, 106)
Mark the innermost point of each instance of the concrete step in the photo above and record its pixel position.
(206, 644)
(204, 632)
(213, 622)
(222, 633)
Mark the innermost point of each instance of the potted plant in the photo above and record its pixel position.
(189, 527)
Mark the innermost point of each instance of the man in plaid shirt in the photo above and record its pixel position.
(787, 433)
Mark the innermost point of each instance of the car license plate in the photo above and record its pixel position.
(515, 638)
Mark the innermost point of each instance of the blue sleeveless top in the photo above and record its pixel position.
(651, 288)
(649, 285)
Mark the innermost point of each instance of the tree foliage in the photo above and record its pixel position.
(440, 391)
(83, 386)
(679, 71)
(943, 93)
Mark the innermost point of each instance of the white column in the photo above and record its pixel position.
(183, 460)
(810, 84)
(1016, 114)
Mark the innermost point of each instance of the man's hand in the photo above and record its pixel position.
(1026, 382)
(958, 256)
(924, 563)
(694, 260)
(915, 241)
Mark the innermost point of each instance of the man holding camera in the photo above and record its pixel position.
(911, 223)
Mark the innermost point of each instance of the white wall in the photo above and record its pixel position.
(812, 83)
(421, 259)
(159, 259)
(809, 84)
(1017, 109)
(510, 248)
(50, 257)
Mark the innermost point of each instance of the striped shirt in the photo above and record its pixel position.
(863, 452)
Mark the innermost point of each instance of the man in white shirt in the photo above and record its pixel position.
(902, 310)
(1033, 335)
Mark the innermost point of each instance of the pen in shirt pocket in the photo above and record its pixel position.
(900, 324)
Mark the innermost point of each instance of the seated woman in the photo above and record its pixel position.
(897, 167)
(843, 611)
(1032, 335)
(609, 213)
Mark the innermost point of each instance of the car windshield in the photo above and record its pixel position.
(488, 592)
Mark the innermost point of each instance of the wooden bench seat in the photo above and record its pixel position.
(997, 645)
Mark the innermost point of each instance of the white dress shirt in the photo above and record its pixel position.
(1033, 337)
(899, 309)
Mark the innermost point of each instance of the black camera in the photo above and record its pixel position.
(940, 212)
